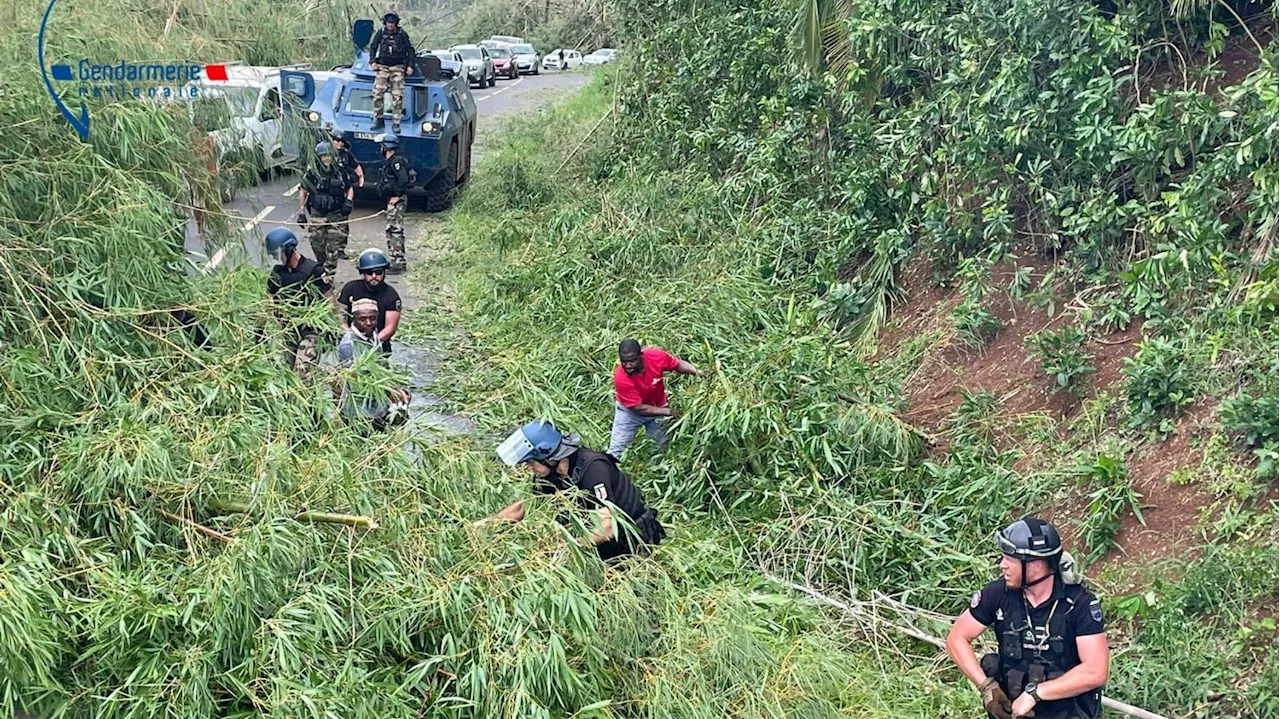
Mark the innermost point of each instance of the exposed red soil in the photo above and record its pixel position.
(935, 390)
(1005, 367)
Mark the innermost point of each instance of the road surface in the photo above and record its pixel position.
(273, 203)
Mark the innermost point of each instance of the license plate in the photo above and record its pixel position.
(367, 135)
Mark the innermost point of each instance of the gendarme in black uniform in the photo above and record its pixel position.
(326, 188)
(601, 481)
(299, 287)
(384, 294)
(394, 180)
(1039, 643)
(347, 162)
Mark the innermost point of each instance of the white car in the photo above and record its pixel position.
(600, 57)
(526, 58)
(507, 39)
(244, 112)
(551, 61)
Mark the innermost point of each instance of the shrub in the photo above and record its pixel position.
(1063, 358)
(1158, 384)
(1110, 495)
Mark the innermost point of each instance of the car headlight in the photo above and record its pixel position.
(313, 116)
(428, 127)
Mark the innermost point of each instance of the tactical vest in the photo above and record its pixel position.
(625, 496)
(330, 190)
(393, 48)
(1038, 653)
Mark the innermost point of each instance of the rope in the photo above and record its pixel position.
(233, 216)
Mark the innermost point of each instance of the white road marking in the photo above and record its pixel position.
(253, 222)
(221, 254)
(292, 191)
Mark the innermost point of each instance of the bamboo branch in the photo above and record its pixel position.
(856, 611)
(584, 140)
(350, 520)
(206, 531)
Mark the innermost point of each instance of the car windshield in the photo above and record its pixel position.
(360, 100)
(240, 101)
(500, 52)
(468, 53)
(523, 50)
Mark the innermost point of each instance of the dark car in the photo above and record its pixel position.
(504, 63)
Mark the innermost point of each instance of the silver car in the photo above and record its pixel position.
(479, 65)
(526, 58)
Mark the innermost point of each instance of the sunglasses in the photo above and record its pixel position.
(373, 272)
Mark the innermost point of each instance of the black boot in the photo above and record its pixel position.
(378, 123)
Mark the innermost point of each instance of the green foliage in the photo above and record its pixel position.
(1111, 497)
(974, 320)
(1157, 383)
(1063, 357)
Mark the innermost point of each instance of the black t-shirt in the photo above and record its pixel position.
(384, 294)
(995, 605)
(299, 286)
(600, 481)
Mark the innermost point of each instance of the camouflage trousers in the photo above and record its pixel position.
(328, 240)
(389, 77)
(395, 230)
(301, 354)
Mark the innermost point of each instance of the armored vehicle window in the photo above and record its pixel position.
(360, 100)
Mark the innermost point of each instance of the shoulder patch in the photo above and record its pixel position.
(600, 492)
(1095, 610)
(977, 599)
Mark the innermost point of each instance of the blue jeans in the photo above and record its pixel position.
(625, 425)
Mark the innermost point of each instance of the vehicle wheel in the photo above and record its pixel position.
(440, 189)
(535, 69)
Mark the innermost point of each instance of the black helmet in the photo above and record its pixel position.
(1030, 538)
(391, 17)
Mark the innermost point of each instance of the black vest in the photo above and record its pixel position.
(621, 491)
(330, 189)
(393, 48)
(1052, 653)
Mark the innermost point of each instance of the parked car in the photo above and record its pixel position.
(479, 64)
(601, 57)
(450, 62)
(551, 61)
(504, 63)
(526, 58)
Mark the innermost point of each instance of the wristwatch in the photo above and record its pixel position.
(1031, 689)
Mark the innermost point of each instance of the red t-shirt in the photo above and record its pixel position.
(646, 387)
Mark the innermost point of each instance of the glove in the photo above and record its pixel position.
(995, 701)
(347, 207)
(302, 218)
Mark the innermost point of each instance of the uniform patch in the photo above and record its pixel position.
(977, 598)
(999, 614)
(601, 492)
(1095, 610)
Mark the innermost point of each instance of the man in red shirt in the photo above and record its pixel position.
(641, 395)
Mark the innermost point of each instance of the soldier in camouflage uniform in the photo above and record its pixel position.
(393, 185)
(391, 57)
(326, 192)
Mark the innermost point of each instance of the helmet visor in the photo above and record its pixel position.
(515, 449)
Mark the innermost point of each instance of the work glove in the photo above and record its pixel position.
(302, 218)
(347, 207)
(995, 701)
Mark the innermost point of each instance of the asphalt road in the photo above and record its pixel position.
(274, 202)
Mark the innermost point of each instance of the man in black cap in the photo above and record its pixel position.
(391, 57)
(1053, 657)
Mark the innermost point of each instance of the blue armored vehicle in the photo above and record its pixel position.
(436, 130)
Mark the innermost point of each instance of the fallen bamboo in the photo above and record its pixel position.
(350, 520)
(206, 531)
(855, 609)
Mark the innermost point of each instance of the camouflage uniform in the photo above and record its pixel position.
(389, 77)
(328, 240)
(394, 183)
(326, 197)
(301, 355)
(395, 231)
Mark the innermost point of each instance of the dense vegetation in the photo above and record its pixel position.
(757, 217)
(747, 214)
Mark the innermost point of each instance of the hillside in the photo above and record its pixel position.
(953, 264)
